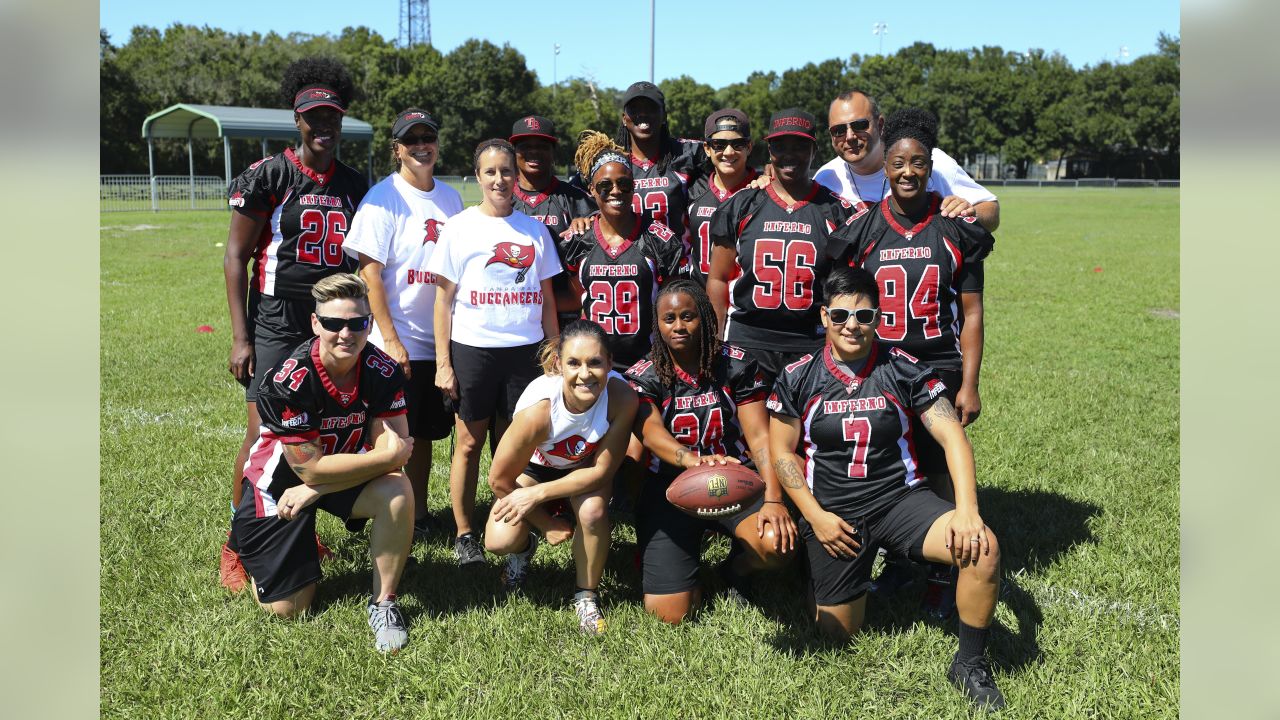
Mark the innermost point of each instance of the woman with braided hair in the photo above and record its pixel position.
(701, 403)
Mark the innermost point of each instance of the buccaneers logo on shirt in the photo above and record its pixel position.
(432, 226)
(572, 448)
(515, 256)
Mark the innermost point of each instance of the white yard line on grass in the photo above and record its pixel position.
(1047, 594)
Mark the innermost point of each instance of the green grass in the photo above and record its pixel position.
(1077, 452)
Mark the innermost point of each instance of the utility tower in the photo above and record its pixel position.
(415, 22)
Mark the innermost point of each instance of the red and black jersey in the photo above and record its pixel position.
(665, 196)
(298, 402)
(307, 216)
(704, 198)
(921, 270)
(555, 207)
(856, 433)
(782, 260)
(702, 412)
(621, 284)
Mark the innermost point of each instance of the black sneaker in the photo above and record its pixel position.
(467, 550)
(422, 527)
(974, 678)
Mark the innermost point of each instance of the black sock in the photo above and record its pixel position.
(973, 642)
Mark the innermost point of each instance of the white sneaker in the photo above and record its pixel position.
(590, 619)
(516, 567)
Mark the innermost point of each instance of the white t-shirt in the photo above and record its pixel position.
(498, 264)
(948, 178)
(399, 226)
(574, 437)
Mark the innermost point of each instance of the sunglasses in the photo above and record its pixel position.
(738, 144)
(355, 324)
(864, 316)
(418, 139)
(605, 187)
(858, 126)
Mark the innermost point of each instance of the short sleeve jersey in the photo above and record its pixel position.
(947, 178)
(702, 412)
(782, 260)
(856, 433)
(921, 270)
(621, 284)
(498, 265)
(299, 403)
(399, 226)
(704, 198)
(307, 213)
(555, 207)
(665, 195)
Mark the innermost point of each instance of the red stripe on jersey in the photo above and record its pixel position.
(934, 203)
(752, 398)
(321, 178)
(850, 382)
(621, 248)
(810, 447)
(956, 258)
(751, 174)
(328, 383)
(808, 198)
(534, 201)
(393, 413)
(742, 225)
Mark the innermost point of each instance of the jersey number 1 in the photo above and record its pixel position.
(321, 240)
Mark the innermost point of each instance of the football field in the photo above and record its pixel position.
(1077, 454)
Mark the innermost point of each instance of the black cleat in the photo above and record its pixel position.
(974, 678)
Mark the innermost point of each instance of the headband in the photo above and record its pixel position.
(605, 158)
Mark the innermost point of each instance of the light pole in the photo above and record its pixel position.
(1123, 53)
(555, 78)
(880, 29)
(652, 11)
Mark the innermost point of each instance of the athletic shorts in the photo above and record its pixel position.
(278, 325)
(428, 417)
(542, 473)
(281, 555)
(900, 529)
(490, 380)
(670, 542)
(930, 457)
(772, 362)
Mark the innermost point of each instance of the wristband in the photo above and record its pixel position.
(775, 501)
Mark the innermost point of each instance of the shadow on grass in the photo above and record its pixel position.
(1034, 527)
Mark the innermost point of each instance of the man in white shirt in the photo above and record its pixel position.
(857, 172)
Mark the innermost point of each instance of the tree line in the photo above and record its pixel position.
(1109, 119)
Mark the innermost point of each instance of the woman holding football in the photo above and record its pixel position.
(702, 402)
(567, 438)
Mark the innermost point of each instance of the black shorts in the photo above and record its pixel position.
(490, 380)
(278, 325)
(542, 473)
(428, 417)
(772, 362)
(670, 542)
(900, 529)
(930, 457)
(281, 555)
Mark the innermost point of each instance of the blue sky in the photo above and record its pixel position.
(610, 40)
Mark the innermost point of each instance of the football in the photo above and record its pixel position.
(711, 491)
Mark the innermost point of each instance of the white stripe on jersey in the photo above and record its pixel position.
(912, 478)
(809, 445)
(955, 324)
(271, 258)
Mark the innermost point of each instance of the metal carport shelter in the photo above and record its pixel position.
(210, 122)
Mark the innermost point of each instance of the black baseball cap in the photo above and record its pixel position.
(413, 116)
(792, 121)
(644, 89)
(727, 119)
(314, 96)
(533, 126)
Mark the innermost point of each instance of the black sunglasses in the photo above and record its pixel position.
(355, 324)
(625, 185)
(738, 144)
(864, 316)
(418, 139)
(858, 126)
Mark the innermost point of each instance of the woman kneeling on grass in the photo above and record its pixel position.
(566, 440)
(851, 404)
(702, 403)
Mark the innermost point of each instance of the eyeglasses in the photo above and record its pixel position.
(858, 126)
(418, 140)
(625, 185)
(738, 144)
(864, 316)
(355, 324)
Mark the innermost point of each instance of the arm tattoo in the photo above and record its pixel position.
(301, 453)
(680, 457)
(941, 409)
(788, 474)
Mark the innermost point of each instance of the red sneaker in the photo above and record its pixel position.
(325, 553)
(230, 572)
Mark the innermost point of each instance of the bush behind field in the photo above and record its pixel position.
(1077, 456)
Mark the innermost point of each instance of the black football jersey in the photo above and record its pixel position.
(307, 215)
(298, 402)
(782, 260)
(555, 207)
(620, 285)
(702, 412)
(704, 199)
(921, 271)
(666, 196)
(856, 435)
